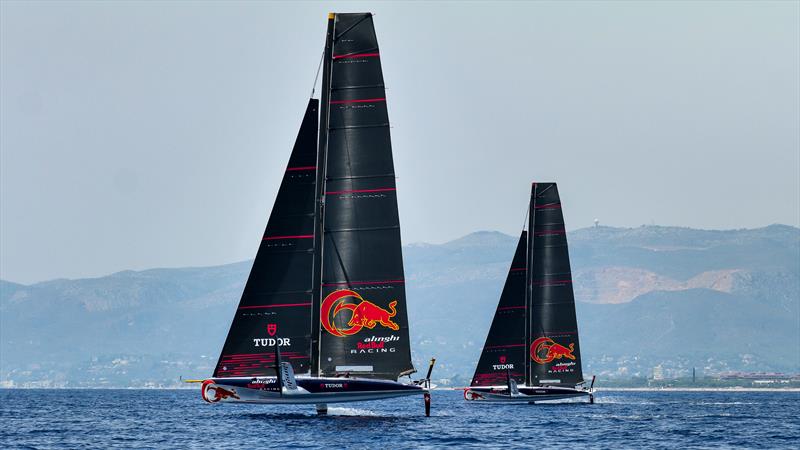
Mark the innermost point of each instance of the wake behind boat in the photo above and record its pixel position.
(531, 353)
(326, 295)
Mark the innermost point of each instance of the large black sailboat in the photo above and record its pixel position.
(325, 298)
(531, 352)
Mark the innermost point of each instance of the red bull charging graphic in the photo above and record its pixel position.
(213, 393)
(545, 350)
(362, 314)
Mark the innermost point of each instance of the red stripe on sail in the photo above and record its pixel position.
(356, 283)
(254, 356)
(517, 269)
(363, 100)
(362, 190)
(548, 206)
(298, 236)
(357, 55)
(292, 169)
(281, 305)
(510, 307)
(547, 233)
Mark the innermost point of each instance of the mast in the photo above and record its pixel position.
(320, 195)
(529, 282)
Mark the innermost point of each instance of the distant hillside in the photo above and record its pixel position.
(682, 298)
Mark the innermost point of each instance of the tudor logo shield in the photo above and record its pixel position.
(503, 359)
(272, 328)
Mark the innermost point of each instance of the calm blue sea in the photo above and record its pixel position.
(180, 419)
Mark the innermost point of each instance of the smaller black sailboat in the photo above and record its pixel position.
(531, 352)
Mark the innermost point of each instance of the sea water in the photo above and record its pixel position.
(180, 419)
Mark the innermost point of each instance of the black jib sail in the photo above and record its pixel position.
(363, 319)
(553, 333)
(275, 307)
(505, 350)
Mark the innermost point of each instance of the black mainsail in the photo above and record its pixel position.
(534, 334)
(276, 303)
(553, 333)
(362, 306)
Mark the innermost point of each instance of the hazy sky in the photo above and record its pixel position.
(145, 134)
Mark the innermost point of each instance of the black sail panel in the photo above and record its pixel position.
(505, 349)
(277, 299)
(363, 317)
(554, 351)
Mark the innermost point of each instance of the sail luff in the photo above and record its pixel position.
(322, 136)
(529, 283)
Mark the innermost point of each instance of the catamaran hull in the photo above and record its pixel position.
(309, 390)
(500, 394)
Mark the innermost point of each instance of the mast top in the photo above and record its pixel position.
(331, 15)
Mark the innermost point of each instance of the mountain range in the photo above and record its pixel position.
(678, 298)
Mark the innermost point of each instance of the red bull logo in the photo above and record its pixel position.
(362, 314)
(544, 350)
(472, 395)
(213, 393)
